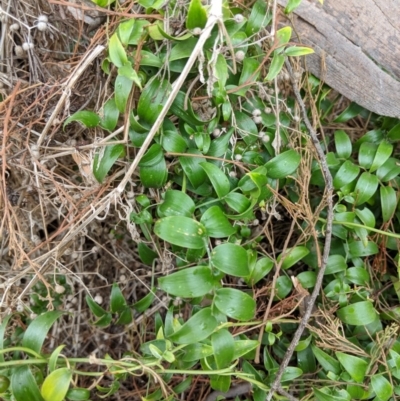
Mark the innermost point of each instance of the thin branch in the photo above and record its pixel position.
(276, 385)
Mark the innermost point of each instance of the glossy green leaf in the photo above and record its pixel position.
(358, 276)
(103, 161)
(284, 164)
(359, 249)
(182, 231)
(394, 133)
(292, 5)
(261, 268)
(152, 99)
(123, 87)
(78, 394)
(382, 387)
(23, 385)
(346, 174)
(366, 216)
(336, 264)
(196, 329)
(3, 327)
(146, 254)
(95, 308)
(37, 330)
(196, 351)
(328, 363)
(220, 383)
(238, 202)
(231, 259)
(128, 72)
(125, 30)
(246, 127)
(148, 59)
(192, 167)
(224, 348)
(155, 175)
(249, 69)
(117, 300)
(243, 347)
(382, 154)
(258, 19)
(144, 303)
(176, 203)
(235, 303)
(366, 187)
(52, 365)
(116, 51)
(283, 35)
(196, 15)
(307, 279)
(389, 170)
(56, 384)
(283, 287)
(182, 49)
(291, 373)
(188, 283)
(355, 366)
(219, 180)
(329, 395)
(367, 154)
(350, 112)
(110, 115)
(216, 224)
(343, 144)
(87, 118)
(276, 66)
(171, 141)
(388, 202)
(297, 51)
(292, 256)
(360, 313)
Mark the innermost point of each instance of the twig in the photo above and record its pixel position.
(81, 67)
(276, 385)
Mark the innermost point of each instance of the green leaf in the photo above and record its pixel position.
(219, 180)
(196, 15)
(350, 112)
(116, 51)
(291, 373)
(283, 287)
(249, 69)
(243, 347)
(196, 351)
(346, 174)
(3, 327)
(388, 202)
(292, 256)
(56, 384)
(366, 154)
(176, 203)
(171, 141)
(276, 66)
(283, 35)
(110, 115)
(231, 259)
(336, 264)
(103, 161)
(307, 279)
(297, 51)
(216, 224)
(148, 59)
(382, 387)
(152, 99)
(37, 330)
(123, 87)
(383, 153)
(78, 394)
(182, 231)
(246, 127)
(337, 395)
(153, 168)
(284, 164)
(192, 167)
(328, 363)
(117, 300)
(146, 254)
(359, 249)
(238, 202)
(358, 314)
(389, 170)
(188, 283)
(259, 18)
(235, 303)
(125, 30)
(128, 72)
(183, 49)
(197, 328)
(343, 144)
(54, 358)
(355, 367)
(262, 267)
(224, 348)
(96, 309)
(144, 303)
(366, 187)
(394, 133)
(23, 385)
(358, 276)
(292, 5)
(87, 118)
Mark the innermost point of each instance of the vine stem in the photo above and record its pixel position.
(276, 385)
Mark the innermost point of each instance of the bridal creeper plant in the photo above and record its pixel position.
(219, 162)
